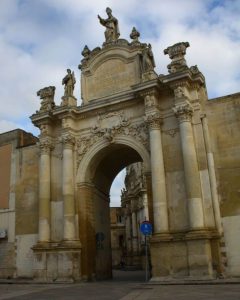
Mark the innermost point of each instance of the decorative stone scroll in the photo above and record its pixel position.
(68, 140)
(138, 131)
(171, 132)
(47, 96)
(183, 112)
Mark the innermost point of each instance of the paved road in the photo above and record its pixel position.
(127, 285)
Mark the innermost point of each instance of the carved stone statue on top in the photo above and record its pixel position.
(111, 23)
(69, 82)
(148, 63)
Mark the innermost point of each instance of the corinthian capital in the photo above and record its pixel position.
(183, 112)
(153, 120)
(68, 140)
(46, 145)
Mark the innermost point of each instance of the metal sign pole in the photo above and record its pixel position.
(146, 252)
(146, 229)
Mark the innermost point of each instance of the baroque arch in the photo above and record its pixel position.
(96, 172)
(120, 142)
(128, 113)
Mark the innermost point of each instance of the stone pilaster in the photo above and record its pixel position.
(212, 175)
(145, 207)
(128, 233)
(160, 210)
(134, 232)
(68, 188)
(46, 146)
(184, 113)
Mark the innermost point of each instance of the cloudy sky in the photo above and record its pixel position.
(40, 39)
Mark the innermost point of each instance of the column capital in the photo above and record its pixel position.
(46, 145)
(68, 140)
(183, 112)
(153, 120)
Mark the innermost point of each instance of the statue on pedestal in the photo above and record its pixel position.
(111, 23)
(69, 82)
(148, 63)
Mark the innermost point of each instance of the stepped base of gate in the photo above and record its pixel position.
(57, 262)
(192, 255)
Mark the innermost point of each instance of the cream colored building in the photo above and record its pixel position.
(189, 147)
(135, 203)
(118, 239)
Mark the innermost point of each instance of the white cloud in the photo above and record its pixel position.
(40, 39)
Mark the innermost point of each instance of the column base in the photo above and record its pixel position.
(55, 262)
(182, 255)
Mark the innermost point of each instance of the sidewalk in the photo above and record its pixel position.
(126, 285)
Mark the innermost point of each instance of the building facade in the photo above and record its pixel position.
(118, 239)
(189, 149)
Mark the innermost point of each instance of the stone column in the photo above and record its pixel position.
(68, 189)
(44, 190)
(160, 210)
(134, 232)
(145, 207)
(128, 234)
(184, 113)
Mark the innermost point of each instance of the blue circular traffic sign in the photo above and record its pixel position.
(146, 228)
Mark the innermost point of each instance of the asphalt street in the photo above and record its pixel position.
(126, 285)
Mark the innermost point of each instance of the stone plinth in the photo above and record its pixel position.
(182, 255)
(57, 263)
(69, 101)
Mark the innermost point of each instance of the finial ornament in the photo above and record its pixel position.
(176, 54)
(86, 51)
(134, 35)
(47, 96)
(111, 23)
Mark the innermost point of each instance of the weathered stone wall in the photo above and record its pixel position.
(20, 218)
(224, 125)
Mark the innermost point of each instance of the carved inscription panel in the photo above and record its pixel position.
(111, 77)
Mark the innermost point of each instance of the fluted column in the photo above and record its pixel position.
(184, 113)
(68, 189)
(160, 210)
(44, 190)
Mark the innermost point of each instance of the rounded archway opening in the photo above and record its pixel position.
(109, 162)
(101, 168)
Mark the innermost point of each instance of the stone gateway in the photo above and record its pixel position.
(189, 149)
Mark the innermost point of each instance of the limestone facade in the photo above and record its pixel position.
(135, 203)
(189, 148)
(118, 244)
(18, 203)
